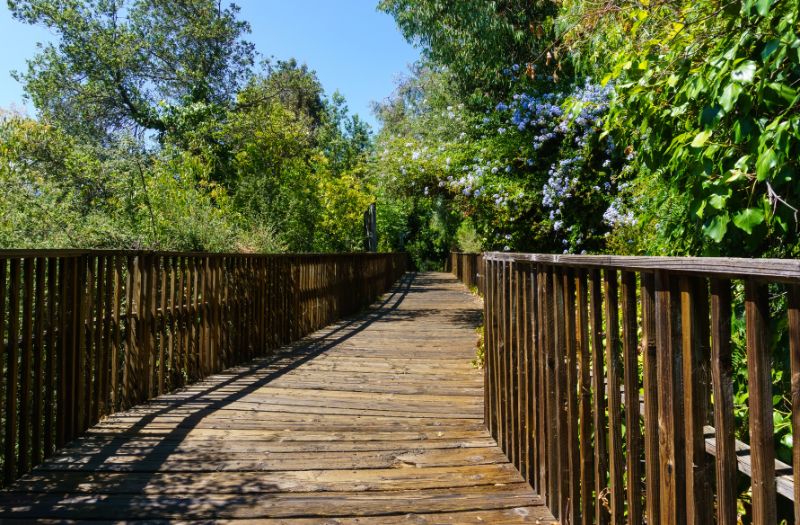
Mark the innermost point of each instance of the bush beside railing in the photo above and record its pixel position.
(564, 340)
(87, 333)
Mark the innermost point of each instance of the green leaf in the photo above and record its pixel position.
(748, 219)
(729, 96)
(745, 72)
(770, 48)
(710, 116)
(717, 227)
(743, 129)
(783, 91)
(701, 138)
(766, 163)
(762, 6)
(718, 201)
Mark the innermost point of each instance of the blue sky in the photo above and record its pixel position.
(351, 46)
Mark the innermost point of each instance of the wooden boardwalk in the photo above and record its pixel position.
(375, 419)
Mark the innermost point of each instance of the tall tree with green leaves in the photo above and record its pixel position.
(141, 65)
(476, 39)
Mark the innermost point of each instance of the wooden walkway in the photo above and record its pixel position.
(376, 419)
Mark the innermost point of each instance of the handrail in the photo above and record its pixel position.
(85, 333)
(774, 270)
(566, 338)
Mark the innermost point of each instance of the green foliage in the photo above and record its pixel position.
(708, 101)
(154, 131)
(475, 39)
(156, 65)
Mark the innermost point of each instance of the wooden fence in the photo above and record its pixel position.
(87, 333)
(572, 340)
(467, 267)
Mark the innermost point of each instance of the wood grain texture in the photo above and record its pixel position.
(375, 419)
(759, 383)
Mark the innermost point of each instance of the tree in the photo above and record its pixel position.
(135, 65)
(477, 39)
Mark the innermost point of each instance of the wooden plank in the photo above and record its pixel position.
(614, 383)
(573, 439)
(116, 346)
(633, 436)
(161, 324)
(40, 309)
(651, 404)
(12, 373)
(105, 379)
(722, 384)
(585, 399)
(694, 345)
(195, 314)
(65, 302)
(504, 359)
(25, 423)
(4, 285)
(50, 384)
(794, 359)
(172, 327)
(773, 270)
(759, 383)
(526, 375)
(601, 510)
(670, 418)
(85, 360)
(552, 441)
(132, 285)
(561, 435)
(151, 348)
(100, 314)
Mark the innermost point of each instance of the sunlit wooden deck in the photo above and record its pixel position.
(375, 419)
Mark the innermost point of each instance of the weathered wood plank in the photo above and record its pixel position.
(759, 383)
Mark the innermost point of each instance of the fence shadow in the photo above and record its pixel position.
(124, 496)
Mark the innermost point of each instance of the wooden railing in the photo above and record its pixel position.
(601, 372)
(87, 333)
(467, 267)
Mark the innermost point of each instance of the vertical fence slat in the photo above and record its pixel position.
(585, 380)
(553, 443)
(12, 373)
(722, 385)
(670, 420)
(614, 385)
(573, 438)
(631, 386)
(559, 356)
(541, 363)
(694, 344)
(650, 384)
(40, 309)
(601, 512)
(794, 358)
(759, 383)
(50, 353)
(3, 351)
(24, 444)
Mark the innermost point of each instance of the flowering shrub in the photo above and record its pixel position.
(534, 172)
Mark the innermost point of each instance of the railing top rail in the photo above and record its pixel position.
(67, 252)
(780, 270)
